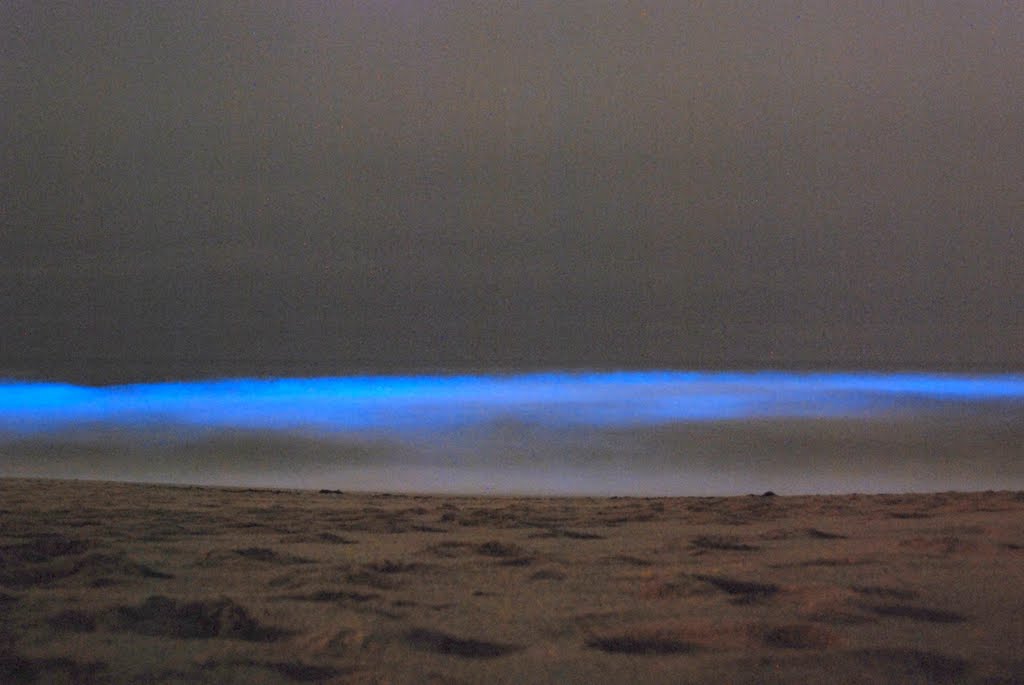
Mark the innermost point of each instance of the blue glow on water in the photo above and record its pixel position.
(404, 404)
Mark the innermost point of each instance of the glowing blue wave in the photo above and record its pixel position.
(396, 404)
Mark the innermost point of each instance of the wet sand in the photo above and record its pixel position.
(127, 583)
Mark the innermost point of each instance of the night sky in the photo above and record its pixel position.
(399, 184)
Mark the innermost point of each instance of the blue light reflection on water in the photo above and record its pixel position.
(402, 404)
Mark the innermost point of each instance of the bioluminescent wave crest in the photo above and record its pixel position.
(428, 403)
(672, 432)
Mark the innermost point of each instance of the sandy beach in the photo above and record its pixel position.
(127, 583)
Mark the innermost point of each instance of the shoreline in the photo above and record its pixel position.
(497, 495)
(116, 582)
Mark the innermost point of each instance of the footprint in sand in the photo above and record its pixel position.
(798, 636)
(297, 671)
(911, 664)
(96, 569)
(73, 621)
(567, 533)
(628, 560)
(15, 668)
(268, 555)
(720, 542)
(506, 554)
(693, 637)
(883, 591)
(340, 596)
(916, 613)
(443, 643)
(641, 644)
(204, 619)
(744, 591)
(548, 574)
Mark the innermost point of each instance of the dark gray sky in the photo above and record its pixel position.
(397, 183)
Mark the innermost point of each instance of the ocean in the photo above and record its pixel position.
(640, 433)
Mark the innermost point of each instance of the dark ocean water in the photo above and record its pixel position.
(637, 433)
